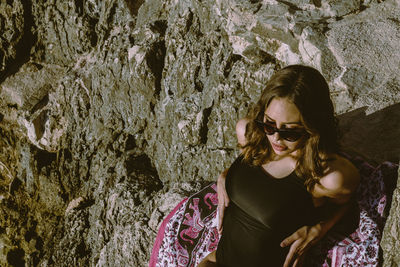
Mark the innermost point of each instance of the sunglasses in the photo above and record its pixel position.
(291, 135)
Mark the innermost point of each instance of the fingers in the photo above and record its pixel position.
(223, 199)
(226, 199)
(222, 204)
(299, 242)
(289, 240)
(222, 190)
(221, 210)
(295, 257)
(292, 255)
(299, 262)
(296, 262)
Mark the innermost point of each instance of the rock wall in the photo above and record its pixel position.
(112, 111)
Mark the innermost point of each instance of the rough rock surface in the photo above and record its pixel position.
(112, 111)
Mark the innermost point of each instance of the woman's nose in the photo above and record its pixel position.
(276, 136)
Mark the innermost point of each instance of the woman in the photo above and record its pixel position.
(288, 169)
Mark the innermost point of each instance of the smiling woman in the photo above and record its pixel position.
(288, 169)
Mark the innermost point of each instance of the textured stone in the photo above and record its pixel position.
(328, 8)
(366, 47)
(112, 111)
(65, 29)
(39, 114)
(12, 21)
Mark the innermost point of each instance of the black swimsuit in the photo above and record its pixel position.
(263, 211)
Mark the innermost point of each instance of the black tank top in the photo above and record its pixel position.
(263, 211)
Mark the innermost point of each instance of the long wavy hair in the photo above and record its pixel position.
(307, 89)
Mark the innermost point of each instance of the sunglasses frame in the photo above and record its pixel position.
(282, 133)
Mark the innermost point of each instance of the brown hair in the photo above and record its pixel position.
(307, 89)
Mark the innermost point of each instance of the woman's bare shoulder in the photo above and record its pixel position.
(340, 180)
(241, 130)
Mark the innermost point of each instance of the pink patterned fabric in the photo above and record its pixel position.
(360, 248)
(163, 231)
(190, 232)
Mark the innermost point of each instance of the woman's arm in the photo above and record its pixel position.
(305, 237)
(223, 199)
(337, 187)
(241, 131)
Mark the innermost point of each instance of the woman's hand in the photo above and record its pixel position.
(337, 187)
(300, 241)
(223, 199)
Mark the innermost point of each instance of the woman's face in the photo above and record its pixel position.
(283, 114)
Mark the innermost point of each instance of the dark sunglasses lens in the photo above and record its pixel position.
(291, 136)
(269, 129)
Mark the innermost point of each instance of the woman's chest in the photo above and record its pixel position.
(268, 200)
(279, 169)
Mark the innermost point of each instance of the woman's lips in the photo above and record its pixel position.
(278, 147)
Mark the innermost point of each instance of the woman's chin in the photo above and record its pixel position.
(285, 152)
(281, 152)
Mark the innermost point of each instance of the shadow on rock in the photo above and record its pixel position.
(375, 136)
